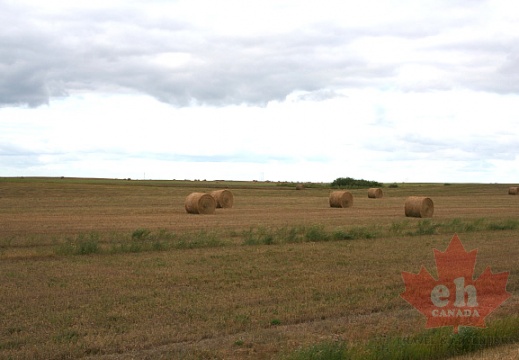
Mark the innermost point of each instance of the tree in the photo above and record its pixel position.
(351, 183)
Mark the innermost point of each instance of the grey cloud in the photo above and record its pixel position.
(44, 57)
(508, 73)
(237, 157)
(7, 149)
(492, 64)
(20, 157)
(319, 95)
(416, 146)
(506, 150)
(477, 167)
(17, 157)
(112, 50)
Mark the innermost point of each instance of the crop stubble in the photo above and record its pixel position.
(205, 301)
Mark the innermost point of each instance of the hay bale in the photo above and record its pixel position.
(513, 190)
(224, 198)
(300, 187)
(375, 193)
(200, 203)
(419, 206)
(341, 199)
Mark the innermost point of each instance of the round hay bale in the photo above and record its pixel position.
(224, 198)
(200, 203)
(513, 190)
(375, 193)
(341, 199)
(418, 206)
(300, 187)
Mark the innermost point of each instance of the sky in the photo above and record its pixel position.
(279, 90)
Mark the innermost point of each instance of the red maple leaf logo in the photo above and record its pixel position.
(455, 299)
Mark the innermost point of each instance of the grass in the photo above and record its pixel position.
(84, 244)
(145, 240)
(430, 345)
(108, 267)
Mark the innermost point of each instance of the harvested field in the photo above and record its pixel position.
(117, 269)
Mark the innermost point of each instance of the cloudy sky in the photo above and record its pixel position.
(281, 90)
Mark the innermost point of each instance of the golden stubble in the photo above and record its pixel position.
(232, 301)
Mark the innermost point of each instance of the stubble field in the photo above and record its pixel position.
(117, 269)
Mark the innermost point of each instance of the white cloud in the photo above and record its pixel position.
(284, 90)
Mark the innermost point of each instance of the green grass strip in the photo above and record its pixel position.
(429, 345)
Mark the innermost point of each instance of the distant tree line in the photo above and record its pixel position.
(351, 183)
